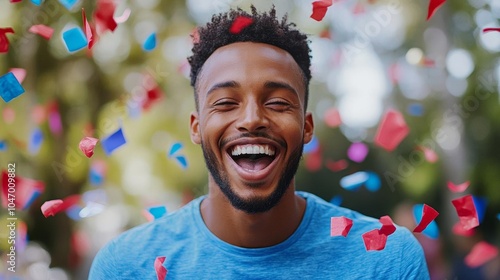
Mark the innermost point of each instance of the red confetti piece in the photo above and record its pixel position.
(313, 161)
(428, 215)
(27, 190)
(320, 8)
(89, 31)
(42, 30)
(427, 62)
(87, 145)
(15, 1)
(429, 154)
(19, 73)
(388, 226)
(55, 123)
(458, 229)
(340, 226)
(52, 207)
(239, 24)
(161, 271)
(458, 188)
(374, 240)
(123, 18)
(336, 166)
(103, 15)
(466, 211)
(489, 29)
(4, 41)
(325, 34)
(392, 130)
(480, 254)
(332, 117)
(433, 6)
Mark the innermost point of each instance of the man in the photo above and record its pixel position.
(251, 91)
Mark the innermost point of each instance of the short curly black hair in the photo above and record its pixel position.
(265, 28)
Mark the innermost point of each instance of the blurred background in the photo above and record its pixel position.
(369, 57)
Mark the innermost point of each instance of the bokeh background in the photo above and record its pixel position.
(368, 57)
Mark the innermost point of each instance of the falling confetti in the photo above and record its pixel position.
(332, 118)
(239, 24)
(388, 226)
(391, 131)
(354, 181)
(89, 31)
(480, 254)
(373, 183)
(42, 30)
(27, 190)
(357, 152)
(4, 41)
(458, 188)
(161, 271)
(312, 146)
(433, 6)
(429, 154)
(336, 166)
(489, 29)
(150, 42)
(36, 140)
(320, 8)
(10, 87)
(374, 240)
(466, 211)
(336, 200)
(52, 207)
(428, 215)
(415, 109)
(3, 145)
(152, 96)
(458, 229)
(156, 212)
(87, 145)
(68, 4)
(113, 141)
(19, 73)
(74, 39)
(340, 226)
(55, 123)
(431, 230)
(123, 18)
(103, 15)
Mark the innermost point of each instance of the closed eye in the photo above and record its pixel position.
(279, 105)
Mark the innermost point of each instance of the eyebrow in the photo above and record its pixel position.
(267, 85)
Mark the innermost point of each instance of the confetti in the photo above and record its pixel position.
(428, 215)
(113, 141)
(354, 181)
(38, 114)
(373, 183)
(458, 188)
(123, 18)
(4, 41)
(161, 271)
(388, 226)
(498, 216)
(42, 30)
(27, 190)
(55, 123)
(313, 161)
(91, 209)
(458, 229)
(466, 211)
(431, 230)
(332, 117)
(52, 207)
(489, 29)
(392, 130)
(74, 39)
(10, 87)
(174, 152)
(8, 113)
(480, 254)
(429, 154)
(152, 96)
(320, 8)
(156, 212)
(357, 152)
(87, 145)
(433, 6)
(103, 15)
(336, 200)
(3, 145)
(239, 24)
(19, 73)
(415, 109)
(312, 146)
(68, 4)
(36, 140)
(374, 240)
(89, 31)
(150, 43)
(15, 1)
(340, 226)
(336, 166)
(37, 2)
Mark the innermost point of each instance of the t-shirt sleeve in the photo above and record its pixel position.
(103, 265)
(413, 263)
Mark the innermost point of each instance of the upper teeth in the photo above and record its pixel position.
(252, 149)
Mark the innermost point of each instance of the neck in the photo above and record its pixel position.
(252, 230)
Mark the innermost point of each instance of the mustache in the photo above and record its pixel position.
(257, 134)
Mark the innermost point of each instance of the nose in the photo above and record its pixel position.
(252, 118)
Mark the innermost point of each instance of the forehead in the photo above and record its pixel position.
(250, 63)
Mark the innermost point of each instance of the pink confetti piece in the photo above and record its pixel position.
(239, 24)
(152, 96)
(27, 190)
(466, 211)
(55, 123)
(458, 188)
(42, 30)
(332, 117)
(433, 6)
(9, 115)
(489, 29)
(103, 15)
(15, 1)
(38, 114)
(458, 229)
(358, 9)
(320, 8)
(480, 254)
(313, 161)
(87, 145)
(374, 240)
(428, 215)
(388, 226)
(340, 226)
(4, 41)
(19, 73)
(161, 271)
(89, 31)
(391, 131)
(336, 166)
(357, 152)
(123, 18)
(51, 207)
(429, 154)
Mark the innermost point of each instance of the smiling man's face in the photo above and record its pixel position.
(251, 122)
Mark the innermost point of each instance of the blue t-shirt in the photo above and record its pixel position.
(193, 252)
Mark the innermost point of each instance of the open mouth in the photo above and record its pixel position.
(253, 157)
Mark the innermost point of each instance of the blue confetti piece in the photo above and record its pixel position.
(312, 146)
(498, 216)
(74, 212)
(415, 109)
(96, 196)
(36, 2)
(336, 200)
(113, 142)
(150, 43)
(182, 161)
(480, 204)
(74, 39)
(3, 145)
(30, 201)
(354, 181)
(432, 230)
(68, 4)
(373, 183)
(95, 177)
(177, 146)
(158, 211)
(10, 87)
(35, 141)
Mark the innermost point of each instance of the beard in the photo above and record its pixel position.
(252, 205)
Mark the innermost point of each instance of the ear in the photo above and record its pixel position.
(308, 127)
(194, 126)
